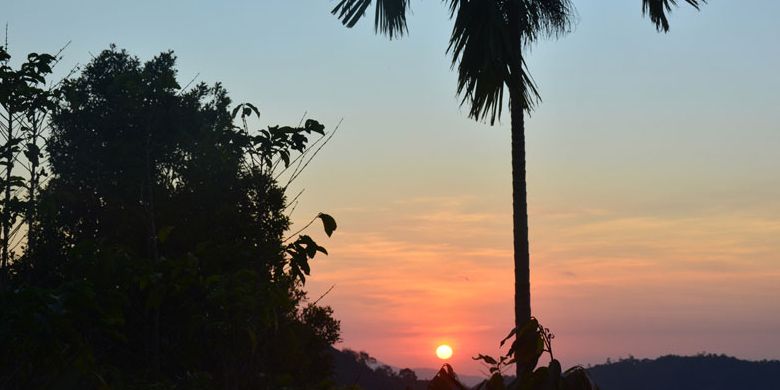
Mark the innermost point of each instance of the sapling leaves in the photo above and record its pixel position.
(530, 341)
(328, 223)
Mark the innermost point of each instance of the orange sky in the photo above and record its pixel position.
(413, 273)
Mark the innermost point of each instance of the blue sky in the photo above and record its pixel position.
(652, 167)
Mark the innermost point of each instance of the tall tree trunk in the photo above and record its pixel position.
(517, 105)
(34, 180)
(8, 157)
(520, 217)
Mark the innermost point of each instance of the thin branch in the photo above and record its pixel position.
(72, 71)
(188, 84)
(302, 229)
(298, 173)
(57, 56)
(295, 198)
(323, 295)
(300, 122)
(292, 210)
(12, 236)
(299, 158)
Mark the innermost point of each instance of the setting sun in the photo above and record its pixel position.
(444, 352)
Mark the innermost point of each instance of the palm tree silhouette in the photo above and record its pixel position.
(486, 45)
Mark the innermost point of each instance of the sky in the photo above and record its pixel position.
(654, 193)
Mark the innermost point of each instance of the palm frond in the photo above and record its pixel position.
(486, 45)
(350, 11)
(389, 18)
(454, 5)
(658, 10)
(480, 48)
(537, 19)
(557, 16)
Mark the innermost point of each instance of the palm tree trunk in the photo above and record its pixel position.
(517, 105)
(520, 217)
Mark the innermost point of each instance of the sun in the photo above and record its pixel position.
(444, 352)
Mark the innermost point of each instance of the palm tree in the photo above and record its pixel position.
(486, 45)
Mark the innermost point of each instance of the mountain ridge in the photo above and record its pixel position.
(668, 372)
(673, 372)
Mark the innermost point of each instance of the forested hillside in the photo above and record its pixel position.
(702, 372)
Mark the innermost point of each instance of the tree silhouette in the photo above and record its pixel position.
(161, 255)
(487, 47)
(24, 102)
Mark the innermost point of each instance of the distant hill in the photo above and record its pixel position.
(359, 370)
(702, 372)
(469, 380)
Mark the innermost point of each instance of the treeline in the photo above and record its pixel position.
(144, 235)
(705, 371)
(359, 370)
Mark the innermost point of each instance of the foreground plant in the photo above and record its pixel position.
(531, 341)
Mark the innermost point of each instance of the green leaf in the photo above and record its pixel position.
(328, 223)
(306, 240)
(528, 345)
(163, 234)
(253, 108)
(511, 333)
(252, 338)
(486, 358)
(305, 267)
(213, 279)
(312, 125)
(311, 247)
(32, 152)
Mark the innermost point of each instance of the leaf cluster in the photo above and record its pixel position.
(275, 142)
(658, 11)
(24, 101)
(529, 343)
(21, 89)
(488, 41)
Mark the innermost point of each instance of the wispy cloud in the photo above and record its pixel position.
(438, 268)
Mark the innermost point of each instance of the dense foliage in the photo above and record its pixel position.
(704, 371)
(157, 255)
(24, 103)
